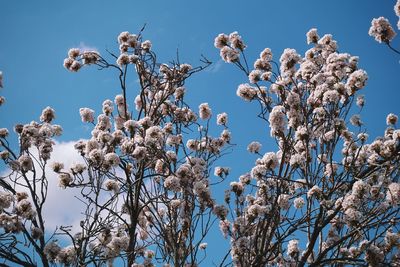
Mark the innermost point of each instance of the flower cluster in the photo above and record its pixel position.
(382, 30)
(14, 220)
(77, 58)
(230, 46)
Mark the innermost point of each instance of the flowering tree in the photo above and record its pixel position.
(145, 182)
(326, 196)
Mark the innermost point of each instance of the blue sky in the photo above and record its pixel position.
(36, 35)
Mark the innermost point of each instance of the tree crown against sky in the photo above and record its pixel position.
(291, 108)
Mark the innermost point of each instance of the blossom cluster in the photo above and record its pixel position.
(77, 58)
(382, 30)
(231, 45)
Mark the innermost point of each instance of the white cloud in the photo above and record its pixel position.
(62, 207)
(214, 68)
(84, 47)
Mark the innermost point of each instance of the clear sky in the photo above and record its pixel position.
(36, 35)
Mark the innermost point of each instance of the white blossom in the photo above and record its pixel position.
(298, 202)
(391, 119)
(87, 114)
(293, 248)
(254, 147)
(222, 119)
(312, 36)
(381, 30)
(246, 92)
(204, 111)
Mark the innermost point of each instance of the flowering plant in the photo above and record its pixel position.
(326, 196)
(326, 183)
